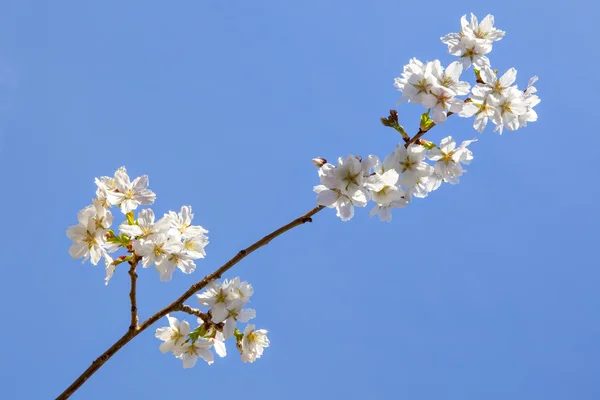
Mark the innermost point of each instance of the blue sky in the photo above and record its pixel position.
(486, 289)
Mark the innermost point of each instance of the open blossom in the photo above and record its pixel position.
(531, 100)
(158, 248)
(182, 221)
(342, 187)
(145, 227)
(480, 108)
(231, 315)
(101, 217)
(450, 77)
(190, 351)
(194, 246)
(173, 335)
(416, 81)
(253, 343)
(129, 195)
(483, 32)
(218, 296)
(449, 158)
(441, 100)
(508, 109)
(89, 235)
(494, 85)
(180, 260)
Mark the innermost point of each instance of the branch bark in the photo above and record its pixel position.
(178, 303)
(132, 295)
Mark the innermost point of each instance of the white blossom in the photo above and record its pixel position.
(190, 351)
(145, 227)
(508, 109)
(182, 221)
(88, 241)
(416, 81)
(129, 195)
(173, 335)
(480, 108)
(449, 158)
(253, 343)
(450, 77)
(342, 187)
(231, 315)
(194, 246)
(157, 249)
(441, 100)
(531, 100)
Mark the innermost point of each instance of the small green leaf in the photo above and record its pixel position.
(427, 144)
(426, 122)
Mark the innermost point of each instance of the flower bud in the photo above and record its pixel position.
(319, 161)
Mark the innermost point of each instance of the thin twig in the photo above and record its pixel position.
(194, 311)
(132, 295)
(178, 304)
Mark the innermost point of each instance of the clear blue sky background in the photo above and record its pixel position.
(485, 290)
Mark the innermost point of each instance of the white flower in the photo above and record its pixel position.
(194, 246)
(479, 107)
(106, 184)
(181, 260)
(231, 315)
(484, 31)
(508, 109)
(449, 78)
(531, 100)
(129, 195)
(344, 205)
(101, 217)
(416, 81)
(88, 241)
(253, 343)
(411, 164)
(219, 344)
(182, 221)
(441, 100)
(342, 186)
(493, 84)
(145, 227)
(241, 291)
(156, 249)
(423, 185)
(472, 52)
(449, 158)
(218, 296)
(110, 268)
(189, 352)
(173, 335)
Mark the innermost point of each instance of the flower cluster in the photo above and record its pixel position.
(226, 301)
(405, 173)
(169, 243)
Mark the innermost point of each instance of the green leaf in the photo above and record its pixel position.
(426, 122)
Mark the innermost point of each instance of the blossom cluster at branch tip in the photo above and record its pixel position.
(171, 242)
(405, 173)
(226, 301)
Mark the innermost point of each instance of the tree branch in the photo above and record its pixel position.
(178, 304)
(132, 294)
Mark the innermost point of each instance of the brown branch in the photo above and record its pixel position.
(194, 311)
(178, 304)
(132, 294)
